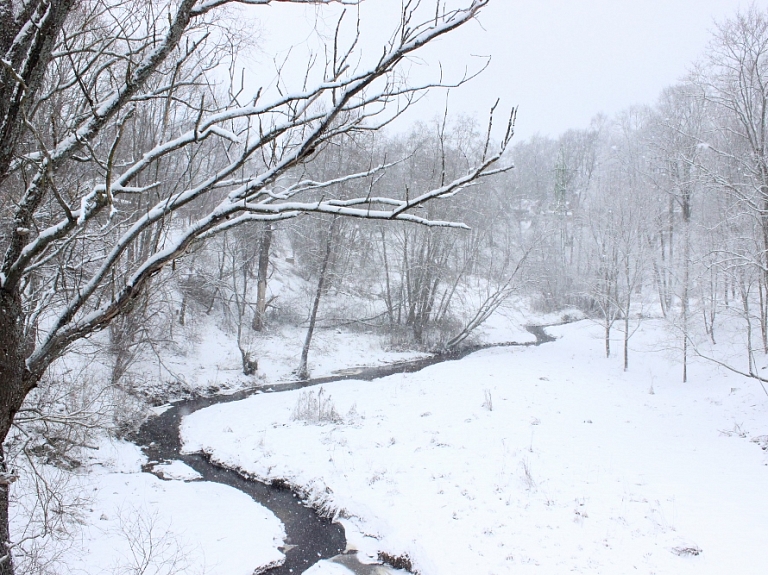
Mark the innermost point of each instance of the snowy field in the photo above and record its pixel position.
(548, 459)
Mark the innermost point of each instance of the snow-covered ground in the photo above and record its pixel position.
(125, 506)
(212, 363)
(513, 460)
(134, 522)
(209, 360)
(528, 460)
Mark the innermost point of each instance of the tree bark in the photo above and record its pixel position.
(15, 383)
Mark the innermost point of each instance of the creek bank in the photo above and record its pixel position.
(310, 537)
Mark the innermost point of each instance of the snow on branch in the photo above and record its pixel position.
(262, 143)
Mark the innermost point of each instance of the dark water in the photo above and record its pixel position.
(309, 536)
(313, 536)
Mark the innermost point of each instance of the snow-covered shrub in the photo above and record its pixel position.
(53, 433)
(153, 547)
(316, 409)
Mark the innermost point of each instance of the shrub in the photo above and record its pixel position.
(316, 409)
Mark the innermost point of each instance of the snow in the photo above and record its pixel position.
(350, 563)
(176, 470)
(192, 527)
(512, 460)
(578, 466)
(327, 568)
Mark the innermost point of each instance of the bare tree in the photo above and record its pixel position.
(239, 250)
(265, 244)
(735, 80)
(90, 214)
(603, 286)
(674, 140)
(721, 132)
(302, 372)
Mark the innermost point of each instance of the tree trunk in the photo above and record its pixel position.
(763, 284)
(660, 289)
(6, 564)
(15, 383)
(261, 288)
(302, 372)
(388, 294)
(709, 315)
(626, 337)
(686, 286)
(183, 309)
(745, 307)
(763, 291)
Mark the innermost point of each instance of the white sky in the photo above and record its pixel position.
(561, 61)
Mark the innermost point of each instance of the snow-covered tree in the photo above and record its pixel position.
(118, 153)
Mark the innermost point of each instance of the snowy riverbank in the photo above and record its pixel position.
(528, 460)
(134, 522)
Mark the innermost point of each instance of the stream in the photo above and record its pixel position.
(309, 536)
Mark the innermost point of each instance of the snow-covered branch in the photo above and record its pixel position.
(261, 143)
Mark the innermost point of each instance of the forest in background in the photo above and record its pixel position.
(661, 211)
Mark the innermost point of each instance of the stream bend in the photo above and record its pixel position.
(310, 537)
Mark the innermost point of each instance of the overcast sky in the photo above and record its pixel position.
(560, 61)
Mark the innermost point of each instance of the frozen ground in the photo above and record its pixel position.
(530, 460)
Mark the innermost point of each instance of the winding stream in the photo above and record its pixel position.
(309, 537)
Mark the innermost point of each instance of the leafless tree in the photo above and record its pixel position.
(91, 212)
(726, 144)
(302, 372)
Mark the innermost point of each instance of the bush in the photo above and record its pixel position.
(315, 409)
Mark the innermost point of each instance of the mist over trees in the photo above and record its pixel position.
(661, 211)
(140, 196)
